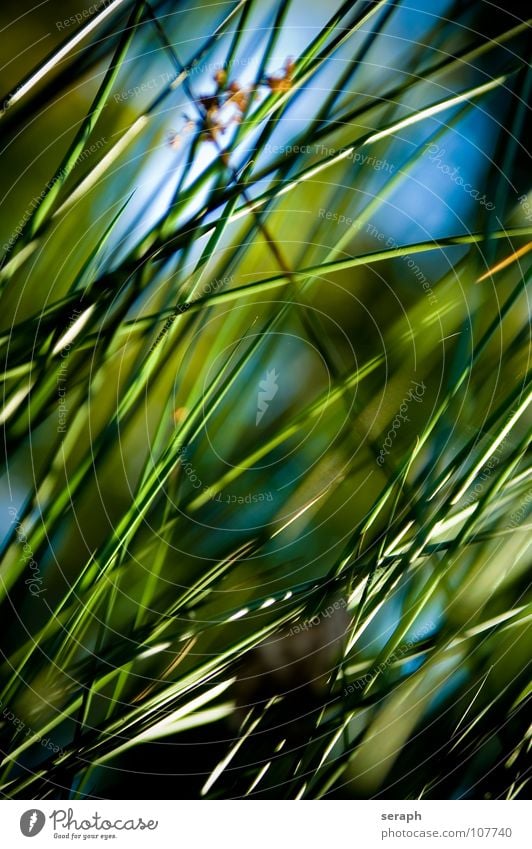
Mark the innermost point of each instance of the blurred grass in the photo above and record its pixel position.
(155, 534)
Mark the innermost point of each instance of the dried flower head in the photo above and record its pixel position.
(229, 103)
(220, 77)
(282, 80)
